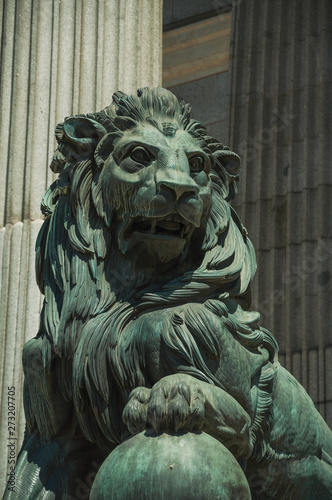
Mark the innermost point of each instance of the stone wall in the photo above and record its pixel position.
(208, 95)
(273, 107)
(280, 123)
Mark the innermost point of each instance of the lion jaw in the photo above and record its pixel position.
(163, 238)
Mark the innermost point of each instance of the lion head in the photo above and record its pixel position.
(137, 223)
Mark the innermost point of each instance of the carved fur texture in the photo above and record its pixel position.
(146, 271)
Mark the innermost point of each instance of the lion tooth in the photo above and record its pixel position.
(153, 226)
(169, 225)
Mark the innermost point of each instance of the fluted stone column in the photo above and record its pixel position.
(281, 96)
(58, 58)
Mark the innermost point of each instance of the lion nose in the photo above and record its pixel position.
(179, 188)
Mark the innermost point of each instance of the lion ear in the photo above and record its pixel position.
(231, 163)
(222, 154)
(105, 147)
(229, 173)
(83, 134)
(77, 138)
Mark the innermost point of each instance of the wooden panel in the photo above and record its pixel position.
(196, 50)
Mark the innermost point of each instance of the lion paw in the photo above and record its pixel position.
(176, 403)
(135, 412)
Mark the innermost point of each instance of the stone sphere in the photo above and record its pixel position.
(186, 466)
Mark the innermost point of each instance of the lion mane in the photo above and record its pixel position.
(90, 348)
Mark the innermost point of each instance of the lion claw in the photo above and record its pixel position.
(176, 404)
(135, 412)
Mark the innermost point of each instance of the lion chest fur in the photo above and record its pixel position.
(190, 339)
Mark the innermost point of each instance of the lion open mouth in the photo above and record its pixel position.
(170, 226)
(162, 237)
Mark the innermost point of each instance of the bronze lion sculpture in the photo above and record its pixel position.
(146, 322)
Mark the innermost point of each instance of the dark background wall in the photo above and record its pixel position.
(273, 107)
(208, 96)
(179, 13)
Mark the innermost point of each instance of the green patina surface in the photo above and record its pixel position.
(146, 324)
(187, 465)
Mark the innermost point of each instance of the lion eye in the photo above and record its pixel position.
(140, 155)
(196, 163)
